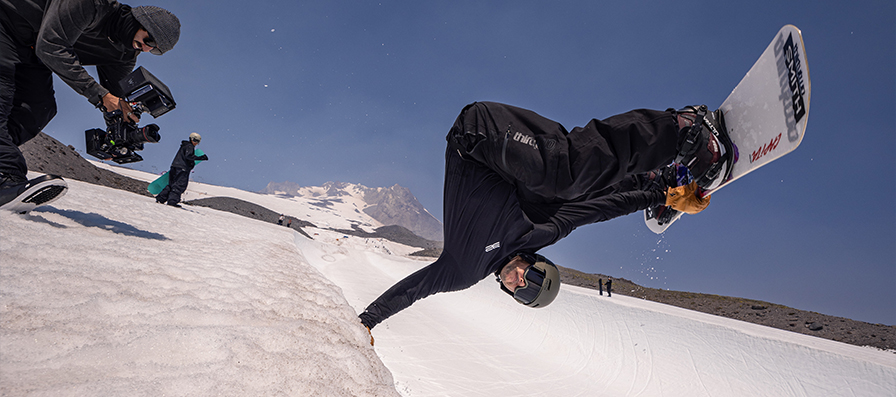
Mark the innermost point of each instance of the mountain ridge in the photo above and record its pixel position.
(391, 206)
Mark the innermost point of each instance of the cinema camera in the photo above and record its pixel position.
(122, 138)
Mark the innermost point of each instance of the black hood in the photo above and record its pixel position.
(121, 26)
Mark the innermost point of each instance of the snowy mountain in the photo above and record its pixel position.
(390, 206)
(105, 292)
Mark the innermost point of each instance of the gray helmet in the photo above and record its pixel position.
(542, 281)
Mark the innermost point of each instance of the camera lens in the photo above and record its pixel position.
(149, 133)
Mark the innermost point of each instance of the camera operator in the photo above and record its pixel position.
(42, 37)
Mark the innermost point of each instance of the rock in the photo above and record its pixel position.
(815, 326)
(44, 154)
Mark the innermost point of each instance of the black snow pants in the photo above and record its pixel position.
(178, 179)
(27, 101)
(548, 164)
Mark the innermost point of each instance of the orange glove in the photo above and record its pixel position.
(371, 335)
(685, 199)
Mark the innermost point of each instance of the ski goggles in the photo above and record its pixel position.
(534, 279)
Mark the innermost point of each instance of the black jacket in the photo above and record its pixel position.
(185, 158)
(486, 223)
(514, 183)
(68, 34)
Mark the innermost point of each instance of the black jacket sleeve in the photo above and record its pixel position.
(186, 157)
(443, 275)
(574, 214)
(62, 25)
(561, 218)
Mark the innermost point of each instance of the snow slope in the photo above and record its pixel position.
(108, 293)
(479, 343)
(340, 215)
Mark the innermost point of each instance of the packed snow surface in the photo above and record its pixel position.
(108, 293)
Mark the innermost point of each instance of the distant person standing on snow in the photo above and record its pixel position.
(609, 287)
(179, 174)
(280, 221)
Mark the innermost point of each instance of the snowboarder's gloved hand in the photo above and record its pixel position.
(685, 199)
(371, 335)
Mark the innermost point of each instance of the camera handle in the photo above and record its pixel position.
(135, 109)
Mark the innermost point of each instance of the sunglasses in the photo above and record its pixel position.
(149, 41)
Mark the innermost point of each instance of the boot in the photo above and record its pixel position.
(703, 145)
(11, 186)
(22, 197)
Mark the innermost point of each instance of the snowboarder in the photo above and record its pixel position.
(609, 287)
(179, 174)
(516, 182)
(280, 221)
(39, 38)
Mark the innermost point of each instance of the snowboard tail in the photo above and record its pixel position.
(765, 115)
(156, 186)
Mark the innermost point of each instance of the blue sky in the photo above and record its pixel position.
(365, 91)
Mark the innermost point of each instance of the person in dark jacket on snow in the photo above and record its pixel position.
(41, 37)
(179, 174)
(516, 182)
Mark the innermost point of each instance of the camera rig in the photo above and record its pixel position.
(122, 138)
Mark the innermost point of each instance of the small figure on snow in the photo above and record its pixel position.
(179, 174)
(516, 182)
(609, 287)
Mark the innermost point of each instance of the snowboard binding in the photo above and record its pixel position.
(673, 175)
(704, 146)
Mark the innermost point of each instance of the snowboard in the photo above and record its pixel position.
(766, 113)
(157, 185)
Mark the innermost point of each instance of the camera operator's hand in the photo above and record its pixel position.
(112, 103)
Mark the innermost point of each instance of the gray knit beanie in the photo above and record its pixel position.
(161, 24)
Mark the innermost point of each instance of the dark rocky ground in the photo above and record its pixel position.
(753, 311)
(46, 155)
